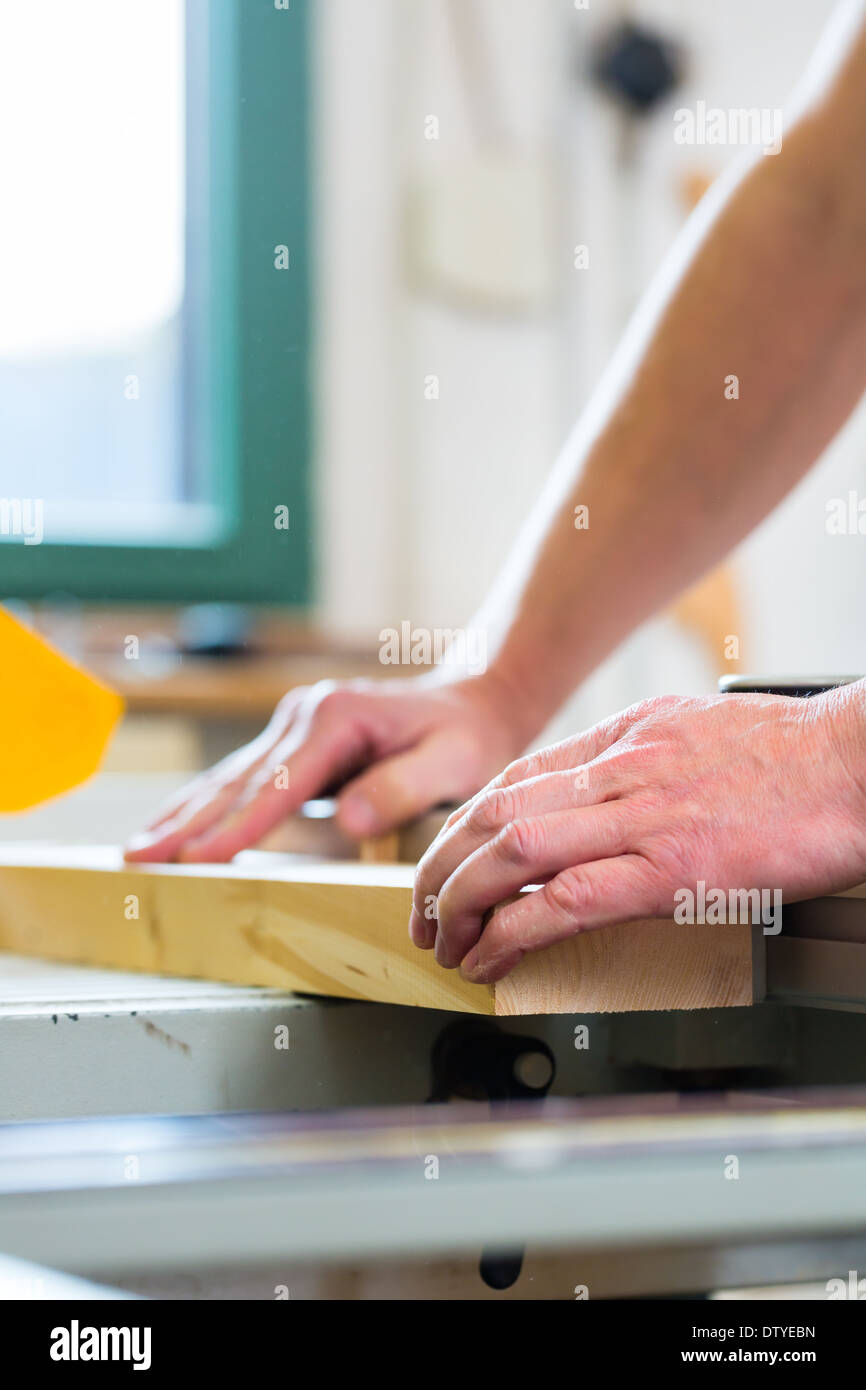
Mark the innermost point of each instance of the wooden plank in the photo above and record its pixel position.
(320, 927)
(639, 965)
(287, 921)
(381, 849)
(314, 830)
(279, 653)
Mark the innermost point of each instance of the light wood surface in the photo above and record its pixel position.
(315, 831)
(381, 849)
(214, 687)
(320, 927)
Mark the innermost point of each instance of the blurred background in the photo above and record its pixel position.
(299, 303)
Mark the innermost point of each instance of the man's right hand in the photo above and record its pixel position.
(396, 748)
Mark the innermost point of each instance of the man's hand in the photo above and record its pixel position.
(400, 748)
(748, 791)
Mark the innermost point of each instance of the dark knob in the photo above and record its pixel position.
(637, 66)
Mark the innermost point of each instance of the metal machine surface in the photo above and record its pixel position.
(613, 1196)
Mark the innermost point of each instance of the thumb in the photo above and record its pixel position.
(400, 788)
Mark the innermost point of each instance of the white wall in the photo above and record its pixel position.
(800, 586)
(420, 499)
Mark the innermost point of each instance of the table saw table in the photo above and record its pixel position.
(244, 1203)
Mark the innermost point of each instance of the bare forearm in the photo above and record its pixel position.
(675, 462)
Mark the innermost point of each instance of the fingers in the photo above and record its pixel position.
(582, 898)
(234, 769)
(575, 772)
(314, 735)
(206, 799)
(404, 786)
(607, 762)
(244, 821)
(487, 815)
(320, 746)
(195, 815)
(228, 773)
(201, 803)
(526, 851)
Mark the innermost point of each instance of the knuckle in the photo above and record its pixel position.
(657, 893)
(490, 811)
(520, 770)
(455, 816)
(444, 906)
(520, 842)
(423, 872)
(635, 713)
(638, 712)
(658, 705)
(333, 700)
(626, 763)
(256, 783)
(568, 894)
(670, 850)
(287, 703)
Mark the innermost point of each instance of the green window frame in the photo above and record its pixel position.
(247, 389)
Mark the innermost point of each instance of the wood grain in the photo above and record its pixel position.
(639, 965)
(381, 849)
(319, 927)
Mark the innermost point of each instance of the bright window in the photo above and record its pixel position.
(143, 195)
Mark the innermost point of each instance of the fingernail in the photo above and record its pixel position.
(358, 816)
(469, 963)
(441, 952)
(422, 932)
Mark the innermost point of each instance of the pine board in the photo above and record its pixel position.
(319, 927)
